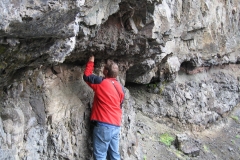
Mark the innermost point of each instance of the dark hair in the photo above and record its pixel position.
(112, 69)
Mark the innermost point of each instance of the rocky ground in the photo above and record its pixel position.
(221, 141)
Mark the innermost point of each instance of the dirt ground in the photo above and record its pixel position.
(220, 142)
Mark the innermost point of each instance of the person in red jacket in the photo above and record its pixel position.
(106, 110)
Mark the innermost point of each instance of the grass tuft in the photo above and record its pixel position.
(145, 157)
(206, 149)
(166, 139)
(235, 118)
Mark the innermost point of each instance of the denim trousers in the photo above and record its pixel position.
(106, 142)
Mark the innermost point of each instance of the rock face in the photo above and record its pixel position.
(185, 54)
(187, 145)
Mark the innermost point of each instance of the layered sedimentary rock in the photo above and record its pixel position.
(185, 53)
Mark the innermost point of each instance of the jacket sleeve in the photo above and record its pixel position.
(89, 77)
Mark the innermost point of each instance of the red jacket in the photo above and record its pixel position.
(108, 97)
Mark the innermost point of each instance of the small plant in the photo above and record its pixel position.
(235, 118)
(152, 85)
(206, 149)
(162, 87)
(145, 157)
(166, 139)
(179, 154)
(238, 136)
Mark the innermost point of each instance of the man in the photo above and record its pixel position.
(106, 110)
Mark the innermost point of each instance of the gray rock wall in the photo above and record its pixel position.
(45, 115)
(184, 53)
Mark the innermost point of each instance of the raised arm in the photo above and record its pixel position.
(88, 76)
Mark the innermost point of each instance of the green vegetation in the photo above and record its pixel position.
(145, 157)
(206, 149)
(238, 136)
(152, 85)
(162, 87)
(159, 86)
(180, 155)
(167, 139)
(233, 141)
(2, 49)
(235, 118)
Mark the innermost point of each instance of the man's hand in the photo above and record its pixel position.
(91, 58)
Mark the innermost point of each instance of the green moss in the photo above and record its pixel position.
(145, 157)
(162, 87)
(233, 141)
(206, 149)
(235, 118)
(2, 49)
(166, 139)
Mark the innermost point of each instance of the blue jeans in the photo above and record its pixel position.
(106, 142)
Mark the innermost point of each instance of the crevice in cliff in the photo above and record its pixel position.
(188, 66)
